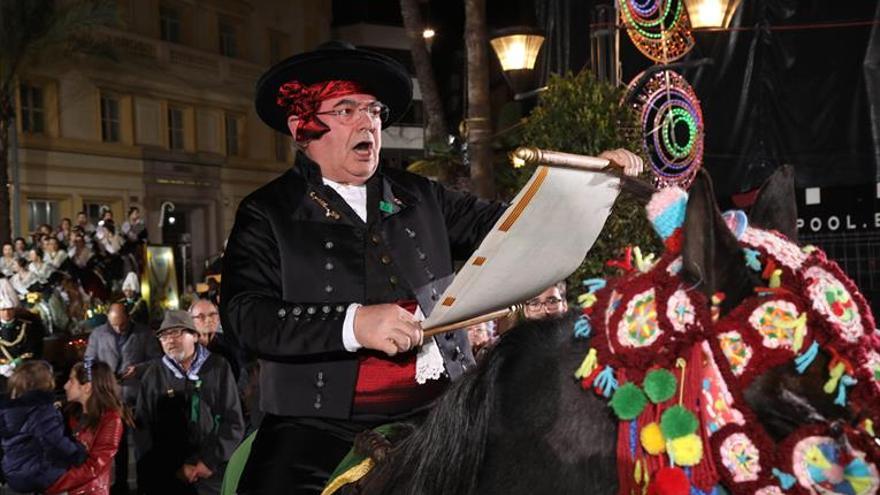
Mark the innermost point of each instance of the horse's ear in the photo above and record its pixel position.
(775, 207)
(713, 259)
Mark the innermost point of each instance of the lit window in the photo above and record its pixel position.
(42, 211)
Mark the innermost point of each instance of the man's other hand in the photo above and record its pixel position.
(387, 328)
(631, 163)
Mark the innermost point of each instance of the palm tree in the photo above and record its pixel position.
(435, 130)
(479, 129)
(34, 30)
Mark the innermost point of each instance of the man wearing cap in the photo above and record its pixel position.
(188, 415)
(21, 333)
(328, 267)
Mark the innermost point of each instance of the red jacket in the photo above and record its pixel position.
(93, 476)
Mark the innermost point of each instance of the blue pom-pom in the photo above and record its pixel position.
(582, 328)
(804, 360)
(785, 480)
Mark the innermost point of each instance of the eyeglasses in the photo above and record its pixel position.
(205, 316)
(171, 334)
(550, 303)
(348, 114)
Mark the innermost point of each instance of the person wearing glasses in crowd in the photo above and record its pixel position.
(206, 318)
(328, 266)
(188, 414)
(549, 304)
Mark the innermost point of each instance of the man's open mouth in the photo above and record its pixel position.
(364, 146)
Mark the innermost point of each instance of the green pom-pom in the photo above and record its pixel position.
(660, 385)
(677, 422)
(628, 401)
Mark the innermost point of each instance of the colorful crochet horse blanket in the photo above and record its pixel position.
(674, 370)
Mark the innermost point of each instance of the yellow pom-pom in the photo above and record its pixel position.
(686, 450)
(652, 439)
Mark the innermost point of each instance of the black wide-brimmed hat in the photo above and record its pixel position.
(379, 75)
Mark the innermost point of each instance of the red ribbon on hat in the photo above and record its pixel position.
(304, 100)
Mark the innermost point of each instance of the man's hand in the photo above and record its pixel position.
(187, 473)
(202, 471)
(631, 163)
(128, 372)
(387, 328)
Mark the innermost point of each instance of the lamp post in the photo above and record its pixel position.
(710, 14)
(517, 49)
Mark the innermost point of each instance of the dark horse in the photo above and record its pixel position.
(521, 424)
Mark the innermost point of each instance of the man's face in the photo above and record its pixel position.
(7, 314)
(348, 152)
(81, 219)
(206, 319)
(134, 216)
(178, 344)
(7, 250)
(548, 304)
(117, 316)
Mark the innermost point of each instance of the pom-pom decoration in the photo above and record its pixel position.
(660, 385)
(686, 450)
(669, 481)
(677, 422)
(652, 439)
(628, 401)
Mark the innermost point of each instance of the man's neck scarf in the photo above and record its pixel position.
(304, 100)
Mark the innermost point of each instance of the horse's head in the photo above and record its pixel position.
(782, 397)
(767, 341)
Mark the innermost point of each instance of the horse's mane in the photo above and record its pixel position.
(445, 453)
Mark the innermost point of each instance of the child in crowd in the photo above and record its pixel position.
(36, 451)
(96, 420)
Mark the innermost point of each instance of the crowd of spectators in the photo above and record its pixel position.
(62, 273)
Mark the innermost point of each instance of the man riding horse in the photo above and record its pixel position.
(329, 266)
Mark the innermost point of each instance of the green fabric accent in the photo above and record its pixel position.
(236, 466)
(353, 458)
(386, 207)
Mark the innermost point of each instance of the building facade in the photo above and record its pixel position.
(170, 122)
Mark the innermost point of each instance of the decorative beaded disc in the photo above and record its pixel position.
(824, 466)
(834, 302)
(672, 128)
(660, 29)
(740, 456)
(737, 352)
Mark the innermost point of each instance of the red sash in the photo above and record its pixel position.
(387, 385)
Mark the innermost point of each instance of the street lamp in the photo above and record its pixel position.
(709, 14)
(517, 49)
(165, 209)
